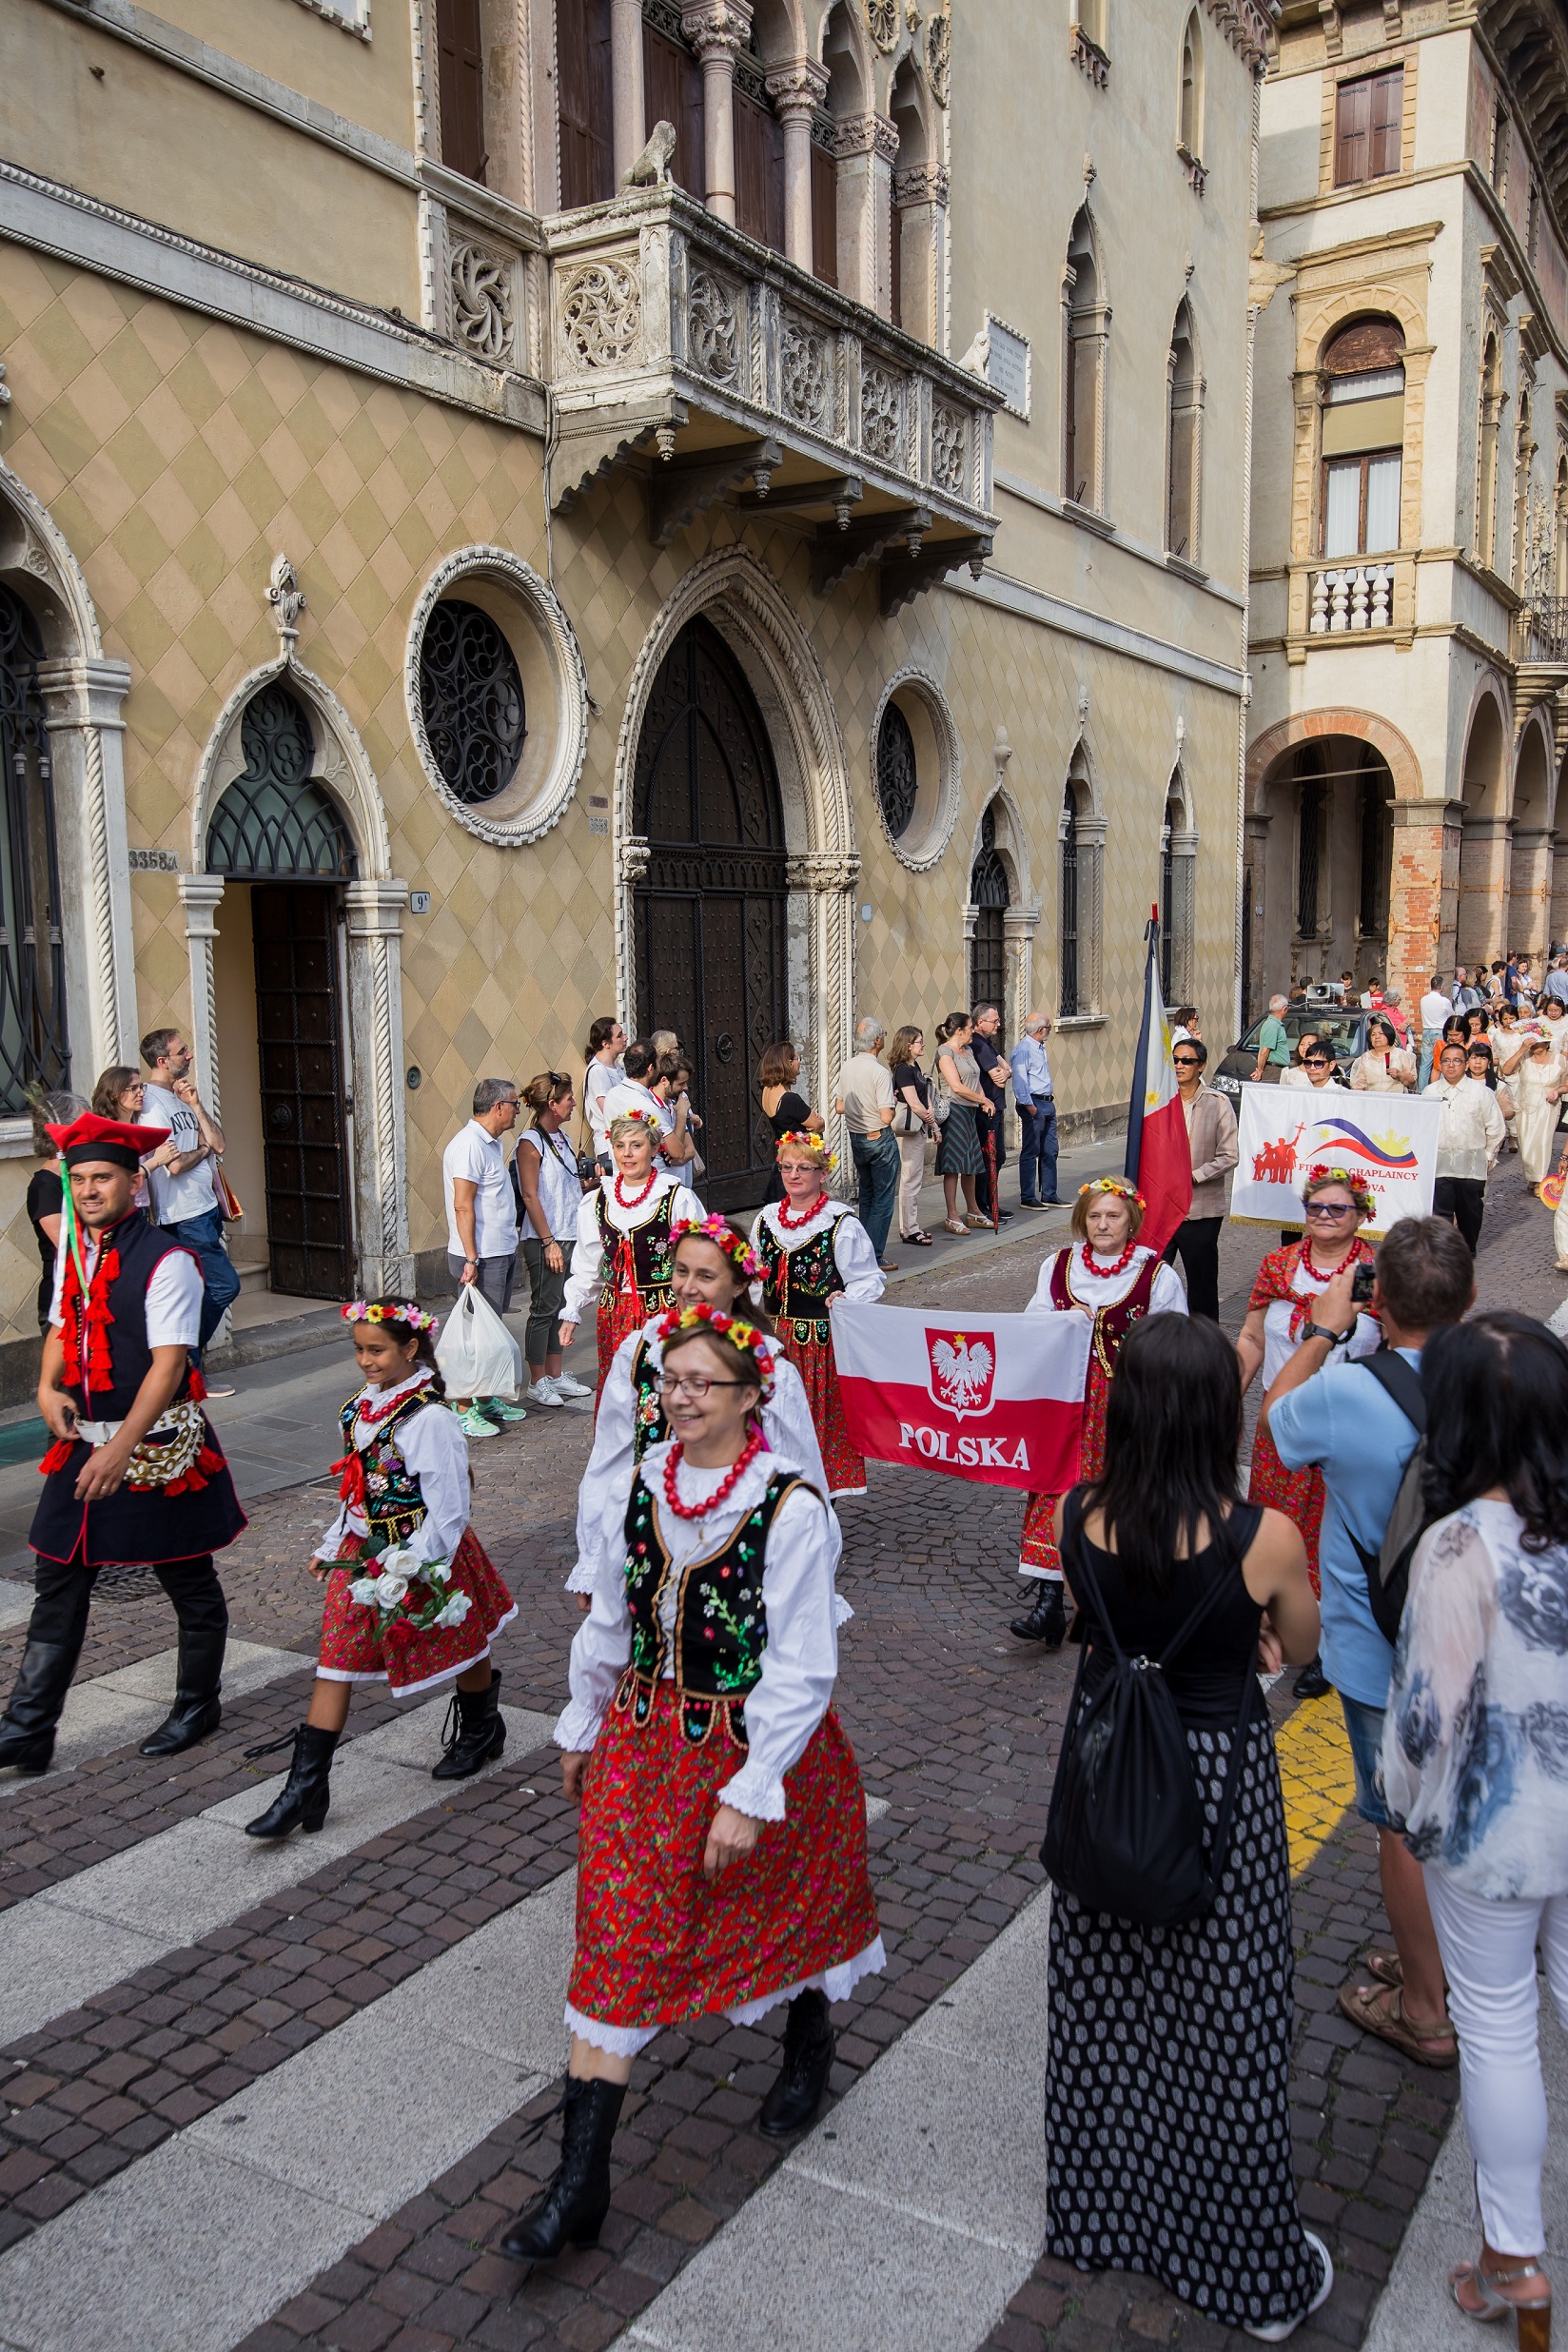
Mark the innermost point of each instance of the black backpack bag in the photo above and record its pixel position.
(1126, 1832)
(1387, 1569)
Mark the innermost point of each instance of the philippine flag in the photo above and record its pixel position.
(1159, 1160)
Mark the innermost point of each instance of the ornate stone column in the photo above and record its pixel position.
(1423, 893)
(1529, 890)
(631, 866)
(1019, 925)
(797, 92)
(718, 30)
(82, 699)
(920, 219)
(866, 146)
(199, 896)
(827, 878)
(375, 1025)
(628, 103)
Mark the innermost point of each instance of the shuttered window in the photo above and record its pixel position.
(583, 100)
(459, 63)
(673, 87)
(824, 215)
(759, 170)
(1367, 126)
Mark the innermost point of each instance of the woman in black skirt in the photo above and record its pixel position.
(1167, 2122)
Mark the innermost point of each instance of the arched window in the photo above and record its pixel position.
(1086, 327)
(1363, 439)
(275, 819)
(1184, 440)
(835, 240)
(34, 1049)
(1167, 902)
(1189, 133)
(897, 775)
(1178, 895)
(911, 281)
(1486, 472)
(989, 898)
(1068, 996)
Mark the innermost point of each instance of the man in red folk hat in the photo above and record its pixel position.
(135, 1472)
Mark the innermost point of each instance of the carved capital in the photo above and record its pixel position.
(867, 134)
(199, 896)
(824, 871)
(921, 184)
(797, 89)
(717, 27)
(633, 857)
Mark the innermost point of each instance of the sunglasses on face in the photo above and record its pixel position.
(1330, 1211)
(1186, 1061)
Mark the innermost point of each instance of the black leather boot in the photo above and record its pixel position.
(1312, 1682)
(303, 1800)
(26, 1728)
(571, 2211)
(1048, 1620)
(196, 1709)
(473, 1732)
(809, 2046)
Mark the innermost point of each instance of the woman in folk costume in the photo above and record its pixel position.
(814, 1249)
(710, 1266)
(622, 1250)
(722, 1839)
(426, 1603)
(1335, 1203)
(1105, 1274)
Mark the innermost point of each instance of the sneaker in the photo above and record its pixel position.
(543, 1391)
(473, 1424)
(1278, 2330)
(497, 1409)
(216, 1388)
(566, 1386)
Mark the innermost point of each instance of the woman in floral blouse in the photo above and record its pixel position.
(1475, 1760)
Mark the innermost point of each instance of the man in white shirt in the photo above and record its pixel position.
(181, 1178)
(1469, 1140)
(482, 1225)
(1435, 1010)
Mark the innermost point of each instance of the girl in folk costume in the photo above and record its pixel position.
(428, 1603)
(710, 1266)
(1335, 1202)
(722, 1839)
(1106, 1275)
(622, 1248)
(814, 1249)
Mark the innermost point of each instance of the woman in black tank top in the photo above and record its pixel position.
(1167, 2126)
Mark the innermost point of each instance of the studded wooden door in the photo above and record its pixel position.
(299, 1009)
(711, 913)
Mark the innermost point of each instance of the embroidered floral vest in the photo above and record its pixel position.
(1111, 1324)
(393, 1504)
(649, 1427)
(641, 1258)
(798, 1283)
(720, 1625)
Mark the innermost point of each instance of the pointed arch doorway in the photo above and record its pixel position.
(711, 911)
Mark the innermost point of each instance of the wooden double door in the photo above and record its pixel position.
(305, 1089)
(712, 914)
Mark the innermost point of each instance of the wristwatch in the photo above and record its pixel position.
(1316, 1331)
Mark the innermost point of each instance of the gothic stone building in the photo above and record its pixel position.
(458, 578)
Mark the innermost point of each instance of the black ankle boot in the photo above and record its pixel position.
(571, 2211)
(26, 1728)
(809, 2046)
(1048, 1620)
(303, 1800)
(1312, 1682)
(473, 1735)
(198, 1681)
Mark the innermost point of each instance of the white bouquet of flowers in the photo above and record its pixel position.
(406, 1592)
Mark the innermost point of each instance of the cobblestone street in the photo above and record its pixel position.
(184, 2015)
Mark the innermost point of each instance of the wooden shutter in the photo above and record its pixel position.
(759, 171)
(460, 65)
(584, 99)
(672, 83)
(1387, 116)
(824, 216)
(895, 273)
(1351, 134)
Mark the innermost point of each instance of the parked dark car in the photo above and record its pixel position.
(1344, 1025)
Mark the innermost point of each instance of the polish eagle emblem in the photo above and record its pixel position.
(962, 1371)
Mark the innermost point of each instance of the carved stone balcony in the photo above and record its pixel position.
(681, 348)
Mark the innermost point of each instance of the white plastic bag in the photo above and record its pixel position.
(477, 1354)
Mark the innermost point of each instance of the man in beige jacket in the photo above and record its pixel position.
(1211, 1134)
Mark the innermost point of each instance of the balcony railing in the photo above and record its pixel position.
(677, 344)
(1546, 629)
(1356, 595)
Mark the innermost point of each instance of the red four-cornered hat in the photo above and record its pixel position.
(115, 1140)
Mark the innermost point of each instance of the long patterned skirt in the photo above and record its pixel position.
(352, 1651)
(813, 1360)
(621, 1312)
(1298, 1493)
(1167, 2077)
(657, 1941)
(1037, 1552)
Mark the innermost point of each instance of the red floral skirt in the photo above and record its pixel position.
(1037, 1551)
(1298, 1493)
(813, 1360)
(620, 1313)
(654, 1941)
(352, 1651)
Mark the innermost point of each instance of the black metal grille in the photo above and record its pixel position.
(34, 1049)
(471, 696)
(1307, 862)
(275, 819)
(989, 896)
(1168, 905)
(897, 783)
(1069, 908)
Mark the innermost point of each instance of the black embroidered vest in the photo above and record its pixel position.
(139, 1249)
(394, 1506)
(720, 1625)
(646, 1248)
(798, 1283)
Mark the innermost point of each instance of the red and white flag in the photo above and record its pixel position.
(993, 1397)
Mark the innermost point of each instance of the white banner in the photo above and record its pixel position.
(1390, 1141)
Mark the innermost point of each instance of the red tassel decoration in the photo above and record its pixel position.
(57, 1457)
(351, 1485)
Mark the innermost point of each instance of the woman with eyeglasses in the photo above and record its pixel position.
(1335, 1204)
(721, 1844)
(1385, 1067)
(119, 1094)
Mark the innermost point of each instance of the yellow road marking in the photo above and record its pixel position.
(1316, 1777)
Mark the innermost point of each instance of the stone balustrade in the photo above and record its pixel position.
(1350, 596)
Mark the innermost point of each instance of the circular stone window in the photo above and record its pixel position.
(916, 769)
(497, 695)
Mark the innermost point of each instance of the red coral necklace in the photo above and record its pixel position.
(725, 1487)
(1108, 1273)
(637, 1198)
(371, 1413)
(792, 1224)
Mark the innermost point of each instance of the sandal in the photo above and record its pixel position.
(955, 1224)
(1534, 2312)
(978, 1224)
(1380, 2010)
(915, 1241)
(1386, 1966)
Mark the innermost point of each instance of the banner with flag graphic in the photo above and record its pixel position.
(1159, 1158)
(1388, 1142)
(998, 1398)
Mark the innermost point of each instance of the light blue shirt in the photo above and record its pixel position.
(1557, 984)
(1031, 1067)
(1345, 1420)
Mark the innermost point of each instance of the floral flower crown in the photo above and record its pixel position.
(722, 1234)
(400, 1311)
(743, 1337)
(1118, 1185)
(644, 1118)
(803, 1141)
(1353, 1182)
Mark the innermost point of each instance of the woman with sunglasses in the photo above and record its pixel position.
(1335, 1203)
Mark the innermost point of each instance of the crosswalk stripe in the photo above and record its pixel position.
(112, 1710)
(59, 1948)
